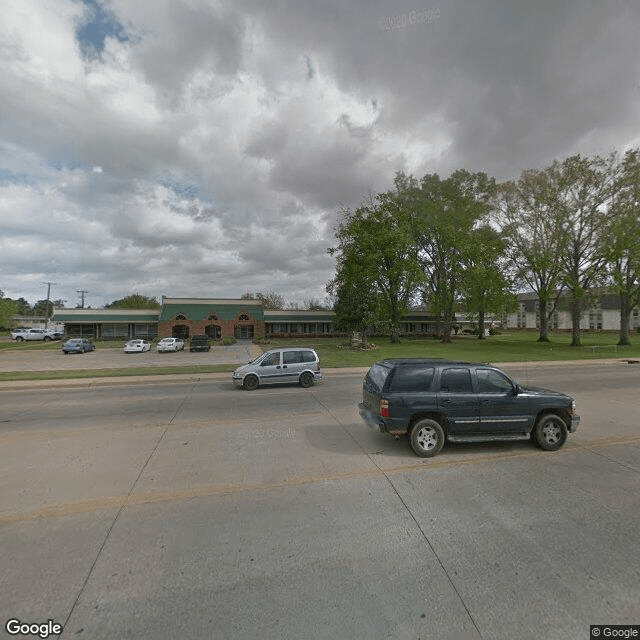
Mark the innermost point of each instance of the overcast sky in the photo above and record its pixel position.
(204, 148)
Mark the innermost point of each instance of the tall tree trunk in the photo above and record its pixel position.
(481, 335)
(625, 313)
(544, 321)
(576, 314)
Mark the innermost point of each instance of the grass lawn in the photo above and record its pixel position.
(511, 346)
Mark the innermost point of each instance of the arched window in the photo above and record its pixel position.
(213, 316)
(181, 316)
(243, 317)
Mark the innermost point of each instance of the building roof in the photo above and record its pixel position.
(106, 315)
(198, 309)
(294, 315)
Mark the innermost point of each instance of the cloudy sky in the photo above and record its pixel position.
(204, 148)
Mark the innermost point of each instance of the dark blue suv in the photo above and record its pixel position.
(433, 401)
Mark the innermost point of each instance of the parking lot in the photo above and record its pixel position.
(195, 509)
(25, 359)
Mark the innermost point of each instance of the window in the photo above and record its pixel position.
(411, 378)
(273, 359)
(243, 317)
(307, 356)
(456, 381)
(181, 316)
(490, 381)
(213, 316)
(290, 357)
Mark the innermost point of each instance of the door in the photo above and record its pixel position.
(270, 369)
(292, 365)
(501, 408)
(458, 401)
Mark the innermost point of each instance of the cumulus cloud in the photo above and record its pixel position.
(204, 147)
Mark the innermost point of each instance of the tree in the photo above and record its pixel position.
(313, 304)
(43, 308)
(622, 249)
(485, 285)
(376, 251)
(270, 301)
(357, 305)
(8, 309)
(585, 186)
(531, 222)
(444, 213)
(134, 301)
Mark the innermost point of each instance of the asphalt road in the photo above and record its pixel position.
(172, 509)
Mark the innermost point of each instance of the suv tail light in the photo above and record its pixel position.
(384, 408)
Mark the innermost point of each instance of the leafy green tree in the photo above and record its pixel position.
(622, 246)
(43, 308)
(444, 214)
(532, 225)
(485, 284)
(376, 241)
(358, 306)
(134, 301)
(8, 309)
(585, 186)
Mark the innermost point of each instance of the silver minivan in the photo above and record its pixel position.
(298, 365)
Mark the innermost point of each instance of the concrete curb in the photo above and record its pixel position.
(86, 383)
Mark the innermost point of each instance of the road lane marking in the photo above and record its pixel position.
(203, 491)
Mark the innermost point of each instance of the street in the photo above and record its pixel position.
(191, 509)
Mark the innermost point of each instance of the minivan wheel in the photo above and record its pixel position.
(306, 380)
(250, 383)
(427, 438)
(550, 432)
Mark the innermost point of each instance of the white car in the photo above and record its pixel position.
(170, 344)
(20, 335)
(137, 346)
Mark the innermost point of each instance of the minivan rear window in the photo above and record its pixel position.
(412, 378)
(377, 375)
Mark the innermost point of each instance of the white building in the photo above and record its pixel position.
(602, 312)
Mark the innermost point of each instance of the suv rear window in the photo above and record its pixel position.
(377, 375)
(412, 378)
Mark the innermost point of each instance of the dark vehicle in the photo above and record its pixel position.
(78, 345)
(431, 401)
(200, 343)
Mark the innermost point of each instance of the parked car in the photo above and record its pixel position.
(78, 345)
(21, 335)
(170, 344)
(137, 346)
(200, 343)
(433, 401)
(299, 365)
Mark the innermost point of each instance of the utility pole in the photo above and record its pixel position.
(82, 293)
(49, 285)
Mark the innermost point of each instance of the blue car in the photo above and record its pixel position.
(78, 345)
